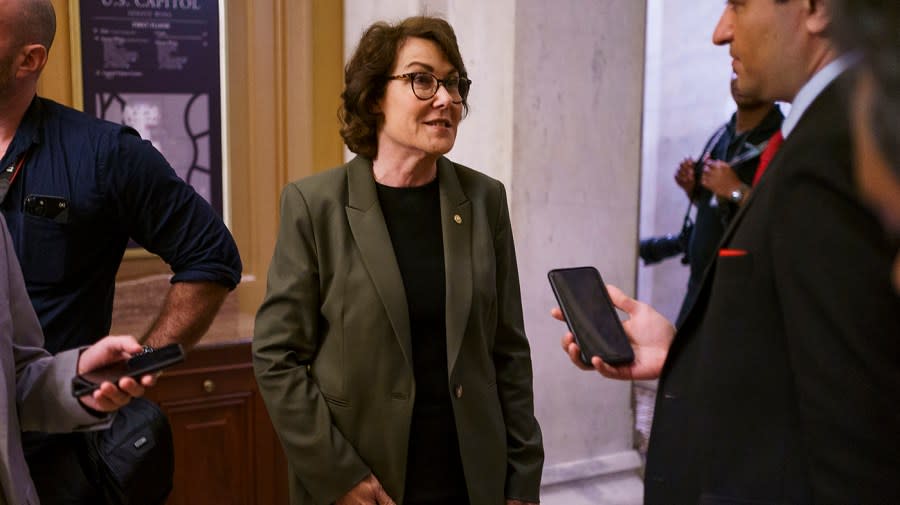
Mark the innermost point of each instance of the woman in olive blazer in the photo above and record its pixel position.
(332, 345)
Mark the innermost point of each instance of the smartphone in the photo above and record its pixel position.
(140, 364)
(590, 315)
(49, 207)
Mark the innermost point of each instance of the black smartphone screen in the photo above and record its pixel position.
(137, 366)
(590, 315)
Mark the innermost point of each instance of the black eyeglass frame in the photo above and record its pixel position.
(411, 76)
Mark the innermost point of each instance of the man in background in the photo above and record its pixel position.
(78, 188)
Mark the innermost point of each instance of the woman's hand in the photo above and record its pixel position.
(649, 333)
(108, 351)
(367, 492)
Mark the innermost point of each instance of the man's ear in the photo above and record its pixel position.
(34, 58)
(818, 19)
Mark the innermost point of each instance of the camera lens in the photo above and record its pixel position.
(40, 208)
(656, 249)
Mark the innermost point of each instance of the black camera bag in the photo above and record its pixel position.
(134, 460)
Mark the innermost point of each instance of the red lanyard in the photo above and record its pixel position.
(9, 175)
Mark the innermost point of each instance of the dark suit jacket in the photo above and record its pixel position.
(332, 344)
(783, 384)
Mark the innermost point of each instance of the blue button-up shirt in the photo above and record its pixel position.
(86, 186)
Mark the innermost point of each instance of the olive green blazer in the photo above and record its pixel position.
(332, 347)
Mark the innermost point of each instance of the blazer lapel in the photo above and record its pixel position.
(374, 242)
(456, 225)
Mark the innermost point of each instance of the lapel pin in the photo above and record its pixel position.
(457, 218)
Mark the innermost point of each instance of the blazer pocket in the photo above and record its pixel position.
(734, 268)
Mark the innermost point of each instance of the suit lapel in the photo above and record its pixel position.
(456, 225)
(374, 242)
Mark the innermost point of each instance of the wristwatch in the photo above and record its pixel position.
(737, 196)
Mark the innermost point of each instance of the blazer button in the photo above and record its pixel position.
(458, 390)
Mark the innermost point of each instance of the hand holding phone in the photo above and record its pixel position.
(590, 315)
(139, 365)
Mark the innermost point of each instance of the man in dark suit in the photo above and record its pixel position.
(782, 384)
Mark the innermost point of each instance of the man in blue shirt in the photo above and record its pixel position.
(78, 188)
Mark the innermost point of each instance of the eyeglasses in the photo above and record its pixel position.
(425, 85)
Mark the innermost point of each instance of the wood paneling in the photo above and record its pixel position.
(56, 80)
(226, 451)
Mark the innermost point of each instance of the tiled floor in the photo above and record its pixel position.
(644, 398)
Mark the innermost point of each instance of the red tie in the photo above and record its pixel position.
(768, 153)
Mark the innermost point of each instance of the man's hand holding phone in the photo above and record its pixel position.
(109, 351)
(649, 333)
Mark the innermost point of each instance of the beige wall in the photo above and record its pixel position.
(575, 187)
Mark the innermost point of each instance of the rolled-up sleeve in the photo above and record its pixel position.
(168, 217)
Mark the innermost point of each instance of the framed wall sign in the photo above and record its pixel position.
(156, 65)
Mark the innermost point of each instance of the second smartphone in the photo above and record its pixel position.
(590, 315)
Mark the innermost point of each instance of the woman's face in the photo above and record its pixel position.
(414, 127)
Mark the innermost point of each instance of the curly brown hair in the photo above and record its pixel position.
(366, 75)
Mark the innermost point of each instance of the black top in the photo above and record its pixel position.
(434, 467)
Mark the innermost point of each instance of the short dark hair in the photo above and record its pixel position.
(366, 75)
(36, 23)
(870, 28)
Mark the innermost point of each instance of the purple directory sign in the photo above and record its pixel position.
(154, 65)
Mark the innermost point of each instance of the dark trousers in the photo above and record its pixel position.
(61, 470)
